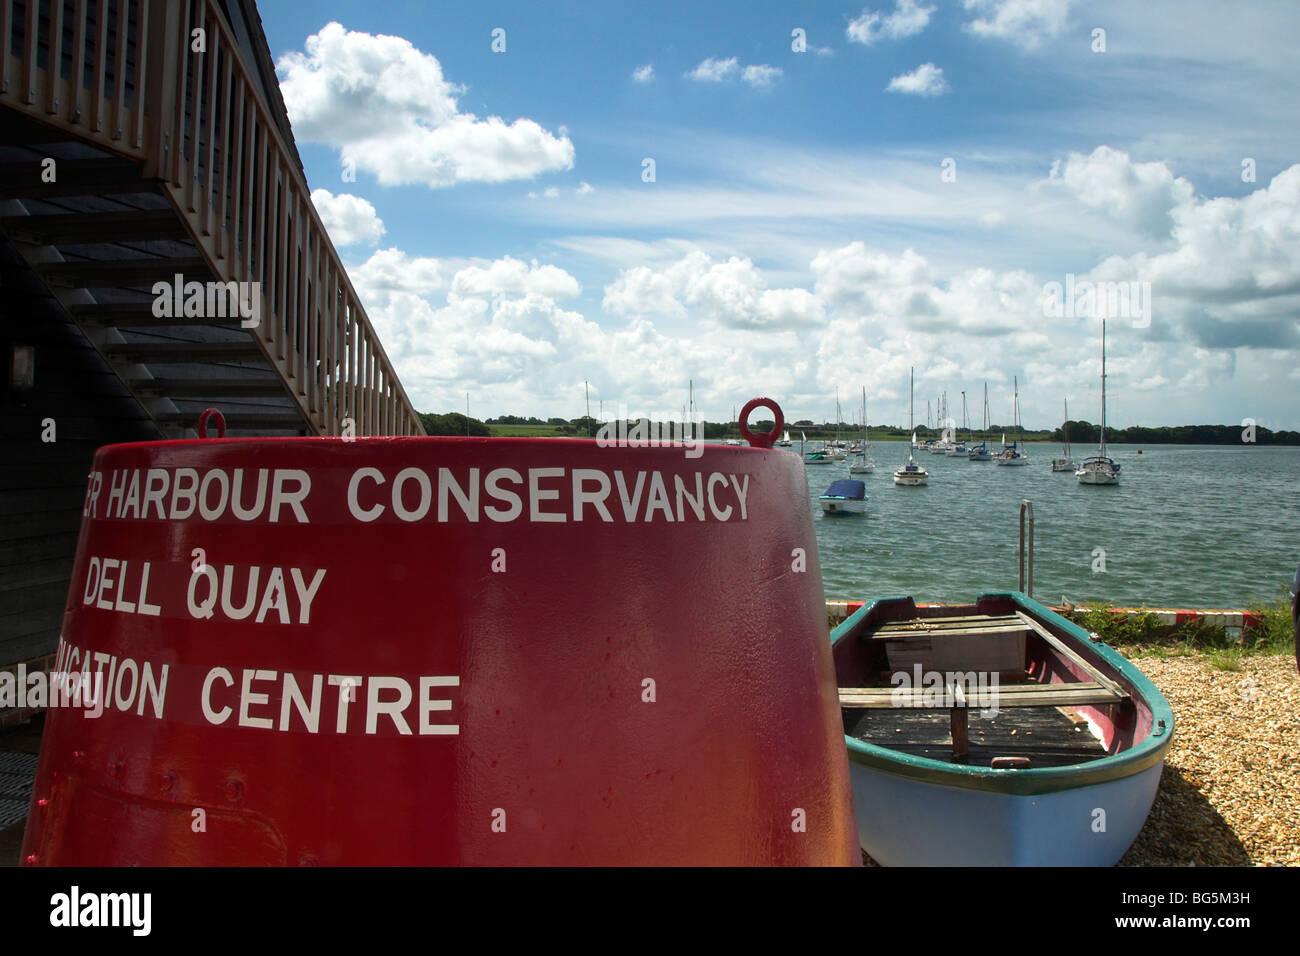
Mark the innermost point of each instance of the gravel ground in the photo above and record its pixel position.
(1230, 791)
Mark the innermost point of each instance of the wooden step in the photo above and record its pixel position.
(174, 353)
(139, 315)
(204, 387)
(243, 421)
(136, 225)
(73, 177)
(105, 273)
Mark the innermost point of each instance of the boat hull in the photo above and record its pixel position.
(909, 481)
(920, 809)
(1097, 478)
(843, 506)
(909, 822)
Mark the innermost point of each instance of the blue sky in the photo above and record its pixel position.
(900, 193)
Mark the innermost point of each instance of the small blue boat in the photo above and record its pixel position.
(846, 496)
(994, 734)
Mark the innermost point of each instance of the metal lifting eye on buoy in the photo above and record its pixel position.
(764, 439)
(210, 413)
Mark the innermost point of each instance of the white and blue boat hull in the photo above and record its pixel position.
(908, 822)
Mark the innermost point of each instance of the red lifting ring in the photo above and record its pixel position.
(765, 439)
(209, 413)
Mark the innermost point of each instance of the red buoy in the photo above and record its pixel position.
(443, 651)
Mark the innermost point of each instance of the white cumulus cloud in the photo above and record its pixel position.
(732, 293)
(761, 76)
(926, 80)
(907, 19)
(644, 74)
(715, 71)
(1141, 195)
(348, 219)
(388, 109)
(1026, 23)
(758, 75)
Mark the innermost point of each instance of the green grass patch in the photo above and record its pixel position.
(1143, 635)
(525, 431)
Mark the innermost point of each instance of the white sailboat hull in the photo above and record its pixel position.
(1097, 473)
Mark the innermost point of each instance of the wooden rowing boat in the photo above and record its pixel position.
(994, 734)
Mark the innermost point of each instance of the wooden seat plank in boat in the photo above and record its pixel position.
(896, 634)
(1015, 695)
(912, 640)
(981, 623)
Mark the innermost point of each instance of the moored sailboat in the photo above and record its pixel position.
(981, 451)
(1100, 469)
(1011, 454)
(1065, 463)
(863, 463)
(959, 448)
(911, 475)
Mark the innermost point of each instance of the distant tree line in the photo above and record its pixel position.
(452, 423)
(1081, 432)
(520, 420)
(1086, 433)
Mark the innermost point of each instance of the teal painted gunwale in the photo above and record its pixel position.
(1148, 752)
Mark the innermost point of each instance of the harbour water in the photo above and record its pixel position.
(1187, 526)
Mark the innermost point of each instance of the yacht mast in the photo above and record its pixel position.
(1103, 388)
(1066, 428)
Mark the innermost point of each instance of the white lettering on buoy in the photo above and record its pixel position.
(396, 699)
(547, 495)
(175, 494)
(258, 698)
(205, 700)
(239, 588)
(494, 490)
(425, 494)
(100, 580)
(366, 514)
(543, 495)
(248, 698)
(537, 494)
(597, 498)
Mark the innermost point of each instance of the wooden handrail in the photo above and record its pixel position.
(199, 123)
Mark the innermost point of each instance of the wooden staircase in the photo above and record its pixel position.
(136, 160)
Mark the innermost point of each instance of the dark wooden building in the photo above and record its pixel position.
(141, 140)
